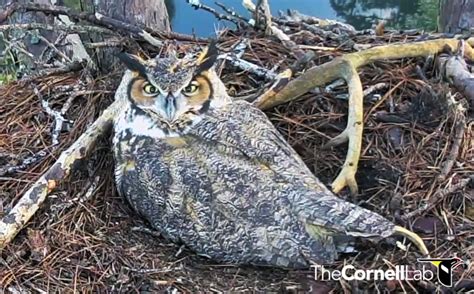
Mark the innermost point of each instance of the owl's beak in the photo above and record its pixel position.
(170, 107)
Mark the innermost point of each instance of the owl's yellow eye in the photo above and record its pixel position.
(150, 89)
(191, 89)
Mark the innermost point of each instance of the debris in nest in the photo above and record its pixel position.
(415, 167)
(428, 225)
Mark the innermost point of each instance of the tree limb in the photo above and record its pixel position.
(340, 67)
(145, 33)
(26, 207)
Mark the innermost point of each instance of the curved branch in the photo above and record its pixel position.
(352, 132)
(322, 74)
(346, 67)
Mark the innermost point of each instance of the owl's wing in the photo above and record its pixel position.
(246, 128)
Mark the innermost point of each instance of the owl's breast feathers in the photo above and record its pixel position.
(233, 189)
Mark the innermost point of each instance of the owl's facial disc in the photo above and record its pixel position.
(194, 97)
(168, 88)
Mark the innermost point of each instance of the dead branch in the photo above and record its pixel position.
(196, 4)
(438, 197)
(296, 16)
(280, 82)
(274, 30)
(459, 128)
(232, 12)
(263, 5)
(79, 29)
(145, 33)
(248, 66)
(78, 50)
(71, 67)
(454, 69)
(26, 207)
(352, 132)
(339, 68)
(325, 73)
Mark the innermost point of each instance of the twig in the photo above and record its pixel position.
(58, 118)
(148, 270)
(233, 13)
(21, 50)
(112, 42)
(367, 92)
(280, 82)
(263, 4)
(78, 50)
(326, 24)
(248, 66)
(437, 197)
(234, 58)
(196, 4)
(51, 45)
(8, 169)
(459, 128)
(319, 48)
(454, 69)
(71, 67)
(47, 55)
(285, 40)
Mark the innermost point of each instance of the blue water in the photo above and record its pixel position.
(360, 13)
(187, 20)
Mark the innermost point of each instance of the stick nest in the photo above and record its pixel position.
(87, 238)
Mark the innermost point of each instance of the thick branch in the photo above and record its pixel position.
(144, 33)
(352, 132)
(455, 70)
(325, 73)
(346, 67)
(57, 27)
(26, 207)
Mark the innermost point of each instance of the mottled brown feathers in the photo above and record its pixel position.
(216, 175)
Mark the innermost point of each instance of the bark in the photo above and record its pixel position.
(150, 13)
(455, 70)
(456, 16)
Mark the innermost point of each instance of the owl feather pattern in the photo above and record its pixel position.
(214, 174)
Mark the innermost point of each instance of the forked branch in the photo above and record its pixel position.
(345, 67)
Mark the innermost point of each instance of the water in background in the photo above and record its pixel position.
(400, 14)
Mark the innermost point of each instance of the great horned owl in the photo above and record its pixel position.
(215, 174)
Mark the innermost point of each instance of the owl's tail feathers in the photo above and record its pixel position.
(412, 237)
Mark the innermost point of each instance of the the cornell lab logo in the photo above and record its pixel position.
(349, 272)
(445, 268)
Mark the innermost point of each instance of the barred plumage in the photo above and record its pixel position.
(215, 174)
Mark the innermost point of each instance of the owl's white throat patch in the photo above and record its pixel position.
(137, 124)
(131, 122)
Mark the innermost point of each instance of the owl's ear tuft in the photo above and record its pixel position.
(133, 63)
(208, 57)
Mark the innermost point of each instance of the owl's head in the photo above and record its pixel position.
(171, 87)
